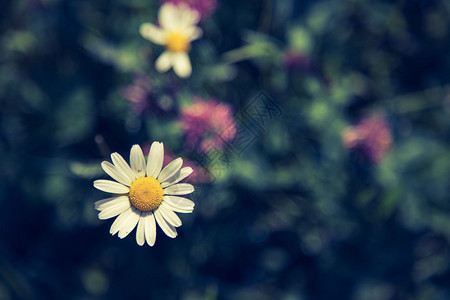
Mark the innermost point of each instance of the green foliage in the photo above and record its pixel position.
(291, 211)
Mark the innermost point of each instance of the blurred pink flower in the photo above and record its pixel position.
(296, 61)
(138, 93)
(208, 124)
(372, 135)
(142, 96)
(204, 7)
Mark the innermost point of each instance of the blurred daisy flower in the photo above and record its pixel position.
(144, 193)
(208, 124)
(205, 7)
(372, 135)
(176, 32)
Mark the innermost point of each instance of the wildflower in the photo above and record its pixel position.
(144, 193)
(372, 135)
(208, 124)
(138, 93)
(296, 61)
(176, 32)
(204, 7)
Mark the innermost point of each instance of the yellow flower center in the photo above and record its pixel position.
(178, 42)
(146, 194)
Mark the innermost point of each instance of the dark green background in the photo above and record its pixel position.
(294, 216)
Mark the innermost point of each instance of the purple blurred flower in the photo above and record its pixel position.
(372, 135)
(208, 124)
(204, 7)
(296, 61)
(141, 94)
(138, 93)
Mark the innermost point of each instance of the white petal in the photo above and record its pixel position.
(110, 186)
(179, 189)
(180, 175)
(114, 210)
(137, 161)
(164, 62)
(168, 16)
(103, 201)
(188, 17)
(140, 231)
(102, 204)
(130, 223)
(178, 210)
(169, 215)
(179, 202)
(155, 159)
(168, 229)
(122, 166)
(181, 64)
(120, 221)
(150, 228)
(153, 33)
(170, 170)
(193, 32)
(115, 173)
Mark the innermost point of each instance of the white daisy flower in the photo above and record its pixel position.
(144, 193)
(176, 32)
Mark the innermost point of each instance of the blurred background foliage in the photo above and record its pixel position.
(300, 210)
